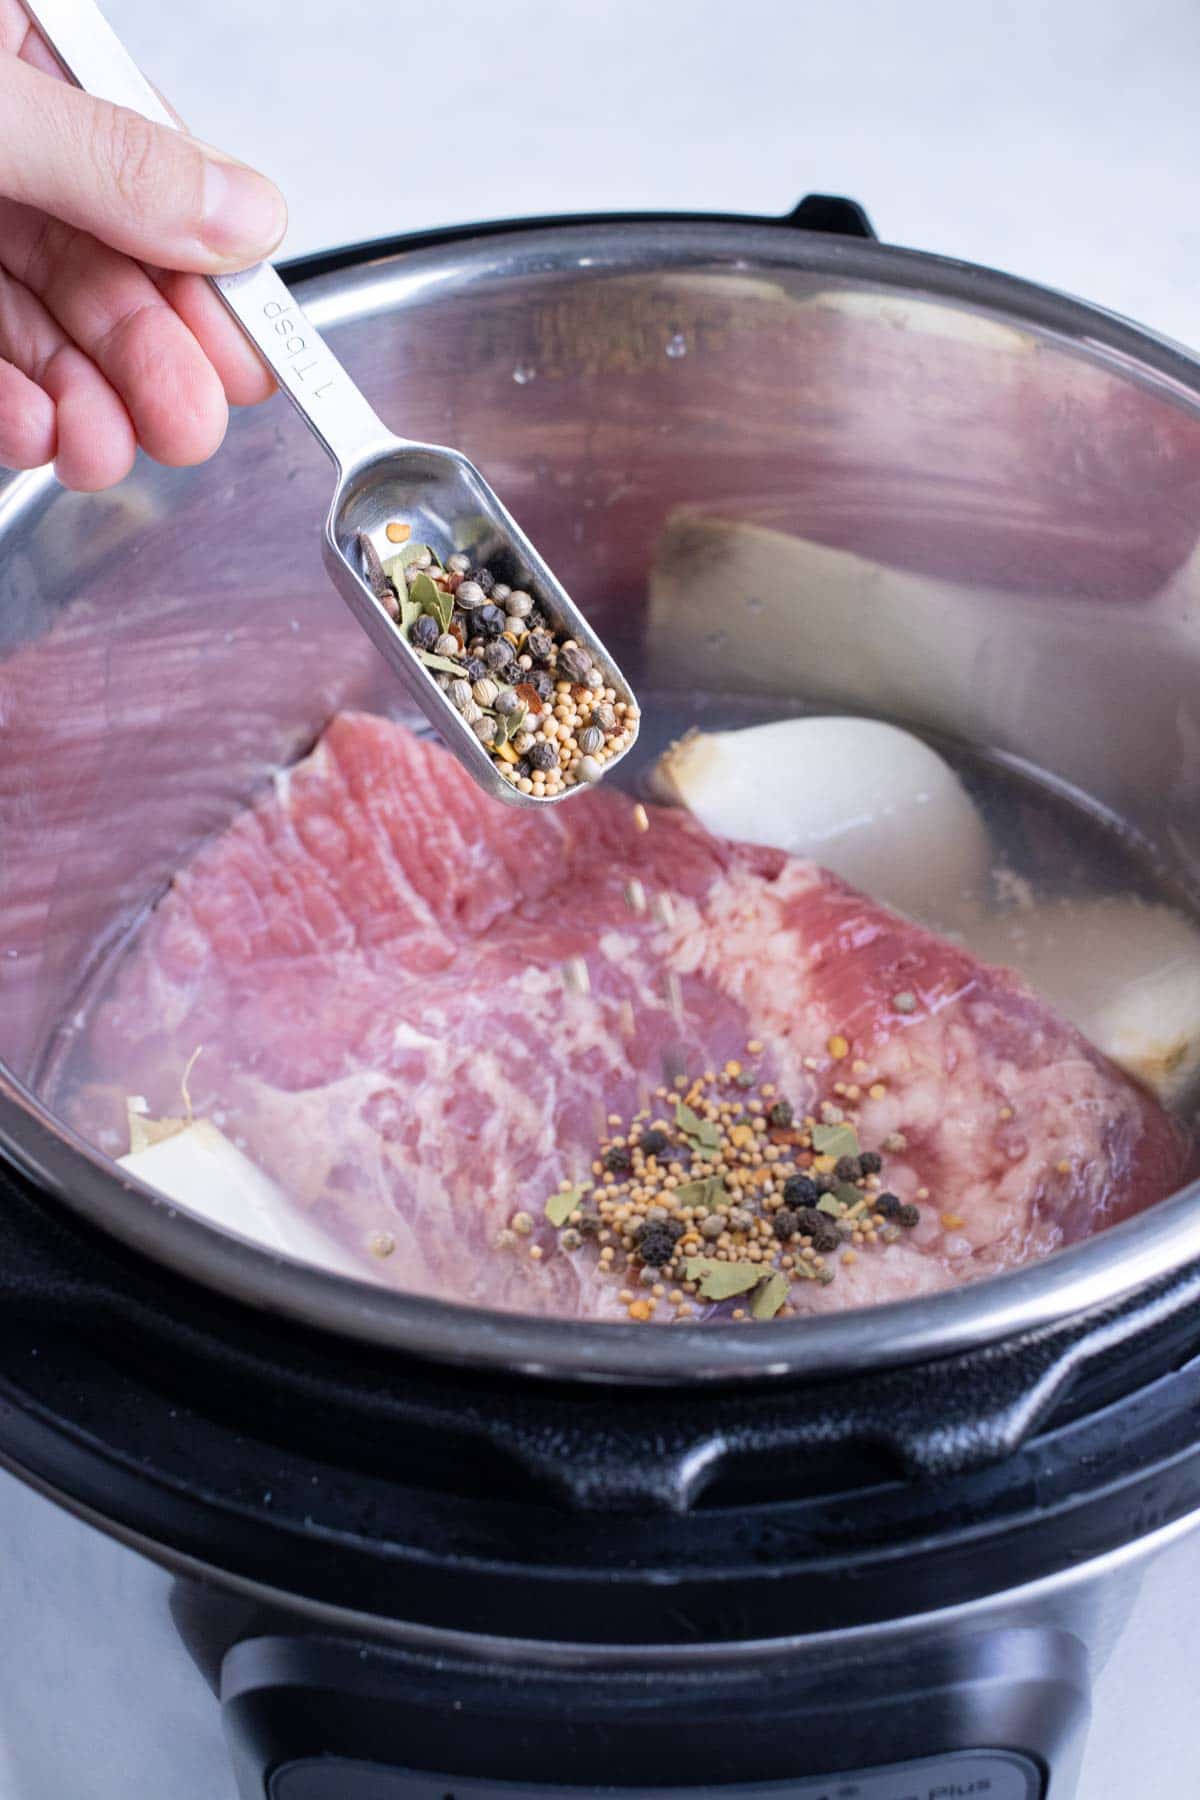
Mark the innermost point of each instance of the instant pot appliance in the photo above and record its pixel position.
(273, 1534)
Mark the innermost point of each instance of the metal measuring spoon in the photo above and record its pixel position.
(380, 477)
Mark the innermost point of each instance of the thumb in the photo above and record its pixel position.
(154, 193)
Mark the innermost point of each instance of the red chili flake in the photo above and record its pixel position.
(529, 694)
(456, 630)
(451, 582)
(786, 1134)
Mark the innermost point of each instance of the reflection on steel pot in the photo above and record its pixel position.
(912, 1550)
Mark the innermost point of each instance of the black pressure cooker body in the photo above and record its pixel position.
(249, 1556)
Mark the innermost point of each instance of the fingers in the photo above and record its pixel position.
(147, 190)
(27, 422)
(243, 373)
(112, 310)
(54, 403)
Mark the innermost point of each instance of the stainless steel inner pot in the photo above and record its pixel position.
(1006, 487)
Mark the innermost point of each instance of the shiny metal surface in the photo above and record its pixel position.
(380, 476)
(1025, 468)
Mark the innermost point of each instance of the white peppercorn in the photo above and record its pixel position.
(460, 693)
(508, 701)
(500, 593)
(484, 728)
(590, 740)
(589, 769)
(485, 692)
(447, 644)
(517, 605)
(458, 564)
(469, 594)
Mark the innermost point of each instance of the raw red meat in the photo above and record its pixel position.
(372, 959)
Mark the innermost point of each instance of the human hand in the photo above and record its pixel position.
(109, 336)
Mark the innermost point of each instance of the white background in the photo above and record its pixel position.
(1057, 139)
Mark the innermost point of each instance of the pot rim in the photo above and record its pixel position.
(1082, 1279)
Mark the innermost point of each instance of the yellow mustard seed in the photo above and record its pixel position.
(838, 1047)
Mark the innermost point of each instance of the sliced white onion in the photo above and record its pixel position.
(870, 802)
(1127, 973)
(198, 1168)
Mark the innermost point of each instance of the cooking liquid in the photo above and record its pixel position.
(1049, 845)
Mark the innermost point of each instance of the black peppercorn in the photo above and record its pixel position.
(475, 669)
(575, 663)
(826, 1183)
(543, 756)
(786, 1225)
(908, 1216)
(589, 1224)
(655, 1245)
(798, 1190)
(652, 1143)
(521, 770)
(535, 620)
(887, 1205)
(490, 621)
(619, 1160)
(781, 1114)
(425, 632)
(498, 654)
(539, 681)
(483, 576)
(540, 646)
(820, 1228)
(848, 1168)
(871, 1162)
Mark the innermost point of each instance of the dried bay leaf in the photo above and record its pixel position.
(769, 1296)
(835, 1140)
(702, 1131)
(722, 1280)
(560, 1206)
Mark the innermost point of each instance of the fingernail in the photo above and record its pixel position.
(244, 214)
